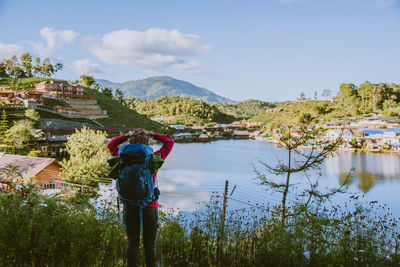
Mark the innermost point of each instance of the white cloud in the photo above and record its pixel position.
(152, 50)
(8, 50)
(52, 40)
(86, 66)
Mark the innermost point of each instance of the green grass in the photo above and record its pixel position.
(118, 114)
(50, 102)
(14, 115)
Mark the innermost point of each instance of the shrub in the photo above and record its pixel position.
(41, 231)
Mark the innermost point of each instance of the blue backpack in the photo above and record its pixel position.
(135, 183)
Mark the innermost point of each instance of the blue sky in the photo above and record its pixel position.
(269, 50)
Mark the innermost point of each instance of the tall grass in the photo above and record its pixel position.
(40, 231)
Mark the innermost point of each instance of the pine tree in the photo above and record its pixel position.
(3, 130)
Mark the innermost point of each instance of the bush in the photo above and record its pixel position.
(317, 236)
(40, 231)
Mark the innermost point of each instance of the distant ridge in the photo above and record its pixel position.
(158, 86)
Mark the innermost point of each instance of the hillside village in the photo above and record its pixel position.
(68, 100)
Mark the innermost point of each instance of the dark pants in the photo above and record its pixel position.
(132, 226)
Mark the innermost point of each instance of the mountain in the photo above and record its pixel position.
(158, 86)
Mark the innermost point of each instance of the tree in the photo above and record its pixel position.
(26, 64)
(96, 87)
(88, 157)
(19, 134)
(32, 115)
(47, 68)
(298, 161)
(3, 69)
(58, 67)
(12, 66)
(37, 69)
(3, 130)
(326, 93)
(302, 95)
(107, 91)
(87, 80)
(315, 95)
(306, 118)
(119, 95)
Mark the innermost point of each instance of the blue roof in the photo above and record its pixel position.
(396, 145)
(372, 132)
(348, 131)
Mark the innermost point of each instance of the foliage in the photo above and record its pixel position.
(107, 91)
(25, 83)
(351, 100)
(119, 96)
(33, 116)
(181, 110)
(52, 102)
(22, 67)
(3, 131)
(20, 134)
(87, 80)
(40, 231)
(88, 157)
(244, 109)
(356, 234)
(118, 114)
(306, 118)
(298, 161)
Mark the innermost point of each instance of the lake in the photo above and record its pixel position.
(195, 171)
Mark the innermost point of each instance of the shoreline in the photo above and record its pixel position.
(352, 150)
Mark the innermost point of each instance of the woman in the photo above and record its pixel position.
(150, 213)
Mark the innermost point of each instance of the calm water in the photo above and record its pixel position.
(195, 171)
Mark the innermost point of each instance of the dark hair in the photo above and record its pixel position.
(139, 136)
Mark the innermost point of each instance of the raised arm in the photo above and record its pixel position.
(167, 141)
(113, 145)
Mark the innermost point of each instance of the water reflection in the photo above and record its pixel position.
(193, 171)
(368, 168)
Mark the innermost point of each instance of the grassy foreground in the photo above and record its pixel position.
(41, 231)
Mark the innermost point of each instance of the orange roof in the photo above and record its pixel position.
(26, 165)
(6, 91)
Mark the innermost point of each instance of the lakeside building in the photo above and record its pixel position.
(46, 171)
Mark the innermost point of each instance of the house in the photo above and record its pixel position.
(372, 134)
(241, 134)
(45, 170)
(61, 89)
(178, 126)
(6, 93)
(13, 100)
(333, 134)
(68, 110)
(391, 136)
(31, 97)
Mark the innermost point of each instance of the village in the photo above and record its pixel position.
(371, 134)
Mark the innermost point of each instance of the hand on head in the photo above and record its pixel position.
(139, 135)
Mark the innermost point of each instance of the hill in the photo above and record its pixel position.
(182, 110)
(117, 113)
(156, 87)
